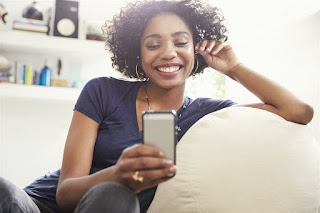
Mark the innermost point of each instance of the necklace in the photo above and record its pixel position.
(147, 97)
(179, 116)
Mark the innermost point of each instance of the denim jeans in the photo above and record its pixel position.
(13, 199)
(109, 197)
(106, 197)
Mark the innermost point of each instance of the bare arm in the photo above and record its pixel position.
(275, 98)
(75, 180)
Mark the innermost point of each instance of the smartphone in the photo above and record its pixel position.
(159, 129)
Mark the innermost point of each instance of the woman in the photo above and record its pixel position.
(162, 43)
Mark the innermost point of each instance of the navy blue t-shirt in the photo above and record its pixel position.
(111, 103)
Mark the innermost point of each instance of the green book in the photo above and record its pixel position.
(28, 75)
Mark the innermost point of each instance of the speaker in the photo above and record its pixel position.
(66, 20)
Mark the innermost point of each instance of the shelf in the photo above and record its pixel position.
(34, 92)
(29, 42)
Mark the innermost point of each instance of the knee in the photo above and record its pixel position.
(111, 189)
(7, 190)
(112, 196)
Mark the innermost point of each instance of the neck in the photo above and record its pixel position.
(164, 99)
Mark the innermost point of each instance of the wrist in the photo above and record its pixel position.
(232, 72)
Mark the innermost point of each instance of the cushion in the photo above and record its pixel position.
(243, 160)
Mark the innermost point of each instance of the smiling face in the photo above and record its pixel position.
(167, 51)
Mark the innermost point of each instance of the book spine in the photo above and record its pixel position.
(28, 75)
(36, 78)
(30, 27)
(5, 78)
(21, 74)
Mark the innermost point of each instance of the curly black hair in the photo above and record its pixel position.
(124, 31)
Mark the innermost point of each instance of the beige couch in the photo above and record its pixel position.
(243, 160)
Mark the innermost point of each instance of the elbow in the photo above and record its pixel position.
(303, 114)
(61, 199)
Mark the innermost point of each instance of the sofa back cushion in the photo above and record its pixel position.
(243, 160)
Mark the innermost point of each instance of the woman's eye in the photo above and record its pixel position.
(152, 47)
(181, 44)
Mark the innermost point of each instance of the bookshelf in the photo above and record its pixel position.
(78, 57)
(40, 93)
(38, 43)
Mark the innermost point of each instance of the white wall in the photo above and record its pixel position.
(33, 133)
(279, 39)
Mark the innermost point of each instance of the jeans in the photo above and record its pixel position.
(106, 197)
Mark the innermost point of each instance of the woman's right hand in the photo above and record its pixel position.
(151, 163)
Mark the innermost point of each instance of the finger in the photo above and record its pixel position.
(157, 175)
(196, 48)
(133, 164)
(141, 150)
(143, 179)
(218, 48)
(203, 45)
(210, 45)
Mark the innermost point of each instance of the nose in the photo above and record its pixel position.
(168, 52)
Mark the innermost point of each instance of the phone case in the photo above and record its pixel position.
(162, 127)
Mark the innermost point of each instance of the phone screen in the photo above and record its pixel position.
(159, 130)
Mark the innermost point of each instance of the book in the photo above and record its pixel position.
(6, 79)
(28, 80)
(6, 76)
(30, 25)
(35, 78)
(19, 72)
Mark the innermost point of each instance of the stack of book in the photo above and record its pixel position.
(31, 25)
(6, 77)
(24, 74)
(5, 70)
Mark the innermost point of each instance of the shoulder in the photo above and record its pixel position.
(107, 81)
(109, 84)
(100, 96)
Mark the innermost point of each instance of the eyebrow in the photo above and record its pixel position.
(172, 34)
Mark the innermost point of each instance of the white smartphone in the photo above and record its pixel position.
(159, 129)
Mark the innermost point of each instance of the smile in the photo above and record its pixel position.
(169, 69)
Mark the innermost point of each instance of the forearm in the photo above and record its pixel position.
(71, 190)
(285, 103)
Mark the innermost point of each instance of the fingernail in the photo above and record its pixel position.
(171, 175)
(167, 162)
(161, 154)
(173, 169)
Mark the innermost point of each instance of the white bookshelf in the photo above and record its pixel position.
(82, 60)
(38, 43)
(40, 93)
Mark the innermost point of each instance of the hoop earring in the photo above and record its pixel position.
(137, 72)
(197, 66)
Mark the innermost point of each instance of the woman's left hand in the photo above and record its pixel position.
(219, 56)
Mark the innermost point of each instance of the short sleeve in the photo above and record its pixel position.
(96, 95)
(208, 105)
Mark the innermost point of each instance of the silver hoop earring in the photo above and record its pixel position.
(137, 72)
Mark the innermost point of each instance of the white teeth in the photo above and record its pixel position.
(169, 69)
